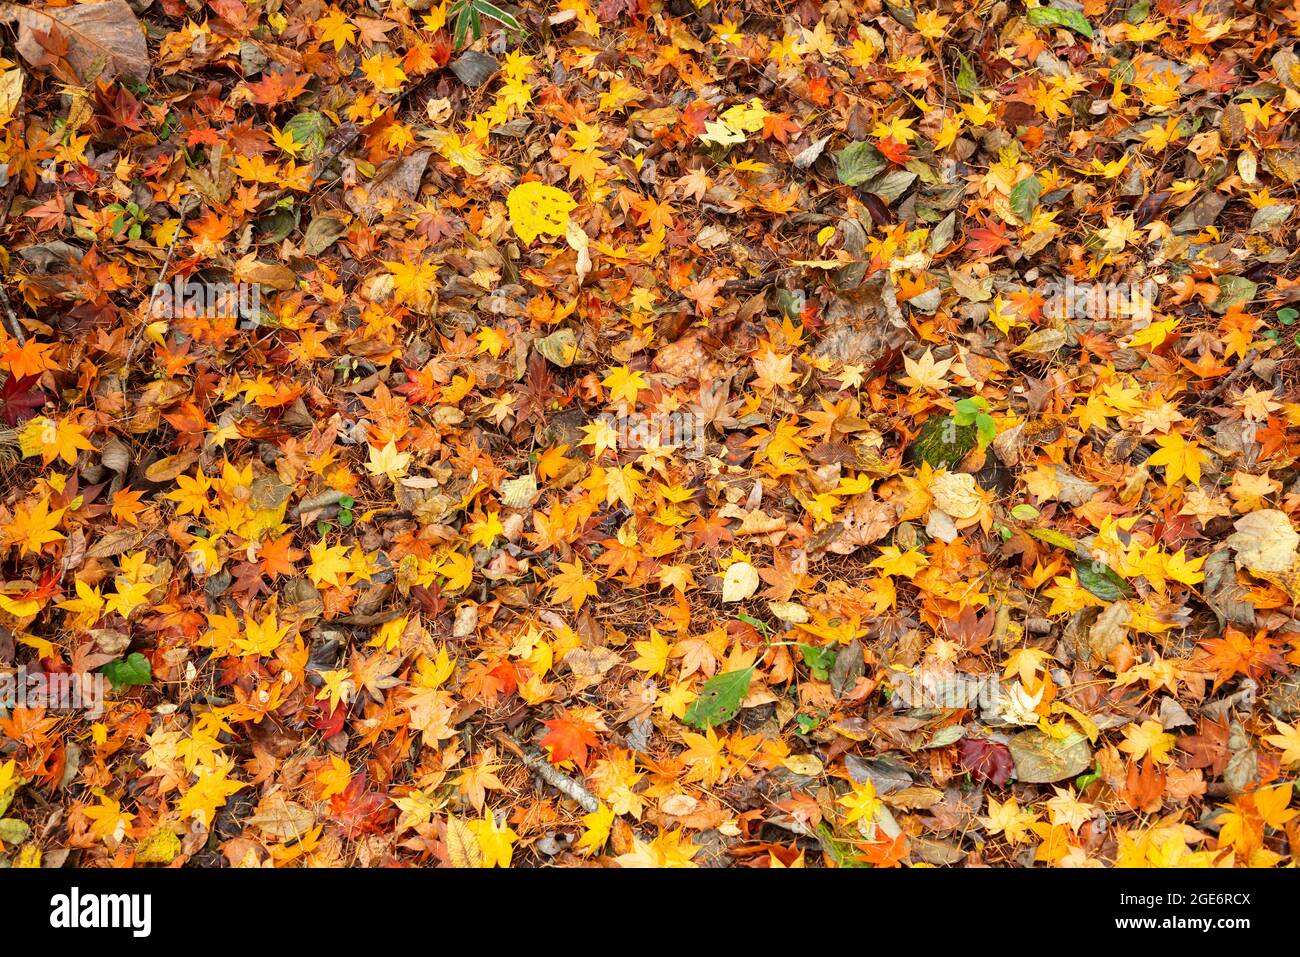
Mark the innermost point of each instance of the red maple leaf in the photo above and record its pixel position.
(1271, 438)
(329, 723)
(610, 10)
(119, 108)
(361, 811)
(988, 240)
(19, 399)
(779, 127)
(1143, 784)
(568, 739)
(709, 531)
(419, 387)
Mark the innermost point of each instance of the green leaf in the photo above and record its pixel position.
(1287, 316)
(467, 16)
(842, 853)
(1053, 537)
(759, 626)
(1100, 579)
(1052, 17)
(858, 162)
(14, 831)
(890, 186)
(459, 14)
(1024, 513)
(1024, 197)
(135, 670)
(719, 699)
(496, 13)
(820, 660)
(968, 410)
(1271, 215)
(309, 129)
(966, 80)
(560, 348)
(1233, 291)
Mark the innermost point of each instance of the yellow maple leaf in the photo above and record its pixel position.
(384, 71)
(211, 791)
(572, 584)
(1288, 739)
(1179, 457)
(775, 371)
(33, 526)
(1009, 820)
(496, 842)
(261, 638)
(52, 439)
(334, 779)
(388, 461)
(485, 531)
(492, 341)
(895, 561)
(652, 655)
(335, 28)
(109, 821)
(1025, 663)
(328, 565)
(861, 802)
(458, 569)
(1149, 737)
(926, 373)
(666, 850)
(128, 596)
(624, 384)
(598, 823)
(539, 210)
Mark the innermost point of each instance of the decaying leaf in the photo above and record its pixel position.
(103, 39)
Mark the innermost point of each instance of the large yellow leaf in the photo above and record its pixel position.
(537, 209)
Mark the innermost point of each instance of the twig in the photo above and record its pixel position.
(11, 319)
(12, 189)
(324, 163)
(751, 284)
(537, 763)
(188, 205)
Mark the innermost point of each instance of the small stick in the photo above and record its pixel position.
(556, 778)
(11, 319)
